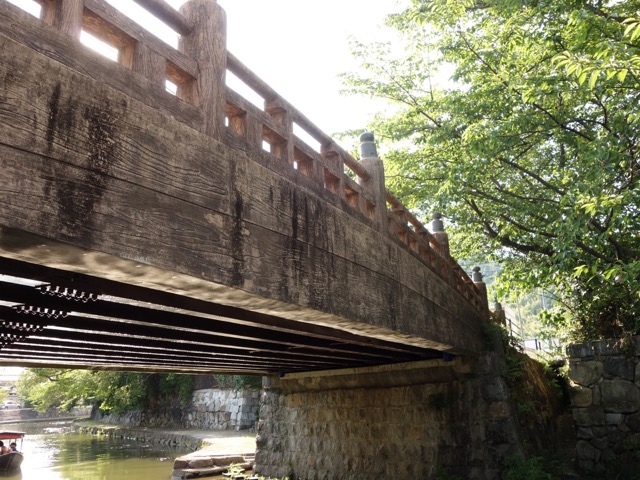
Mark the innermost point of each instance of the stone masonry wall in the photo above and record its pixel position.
(605, 378)
(217, 409)
(210, 409)
(413, 421)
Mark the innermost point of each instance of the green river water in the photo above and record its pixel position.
(53, 452)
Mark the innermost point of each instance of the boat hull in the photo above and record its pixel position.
(10, 461)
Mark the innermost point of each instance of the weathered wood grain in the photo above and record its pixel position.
(166, 13)
(207, 45)
(27, 30)
(102, 19)
(75, 121)
(84, 163)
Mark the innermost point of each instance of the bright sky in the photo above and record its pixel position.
(299, 47)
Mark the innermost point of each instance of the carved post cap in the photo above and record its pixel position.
(368, 146)
(436, 223)
(476, 276)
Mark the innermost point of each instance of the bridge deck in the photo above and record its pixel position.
(205, 235)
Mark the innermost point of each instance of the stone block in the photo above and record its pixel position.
(580, 350)
(633, 422)
(180, 463)
(224, 460)
(632, 442)
(616, 437)
(498, 410)
(586, 451)
(502, 432)
(613, 418)
(600, 443)
(588, 417)
(585, 373)
(200, 463)
(584, 433)
(608, 347)
(581, 396)
(597, 397)
(620, 396)
(586, 466)
(619, 367)
(494, 390)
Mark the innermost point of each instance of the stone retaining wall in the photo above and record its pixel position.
(224, 409)
(22, 415)
(605, 378)
(210, 409)
(406, 422)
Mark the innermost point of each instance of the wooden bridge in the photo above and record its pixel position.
(197, 232)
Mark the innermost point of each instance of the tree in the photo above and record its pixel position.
(115, 392)
(530, 150)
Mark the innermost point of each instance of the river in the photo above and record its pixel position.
(54, 452)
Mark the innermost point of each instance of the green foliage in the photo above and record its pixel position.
(238, 382)
(234, 470)
(531, 148)
(115, 392)
(170, 385)
(533, 468)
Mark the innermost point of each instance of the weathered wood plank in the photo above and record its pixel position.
(72, 119)
(27, 30)
(149, 64)
(167, 14)
(68, 17)
(105, 21)
(207, 45)
(88, 208)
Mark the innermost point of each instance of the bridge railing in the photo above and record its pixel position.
(198, 69)
(272, 129)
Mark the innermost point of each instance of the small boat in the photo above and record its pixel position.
(12, 460)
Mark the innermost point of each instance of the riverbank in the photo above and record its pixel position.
(213, 450)
(222, 442)
(28, 415)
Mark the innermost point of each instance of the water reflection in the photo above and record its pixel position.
(55, 453)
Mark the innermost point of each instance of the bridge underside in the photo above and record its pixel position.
(62, 318)
(132, 237)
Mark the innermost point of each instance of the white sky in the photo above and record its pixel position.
(299, 47)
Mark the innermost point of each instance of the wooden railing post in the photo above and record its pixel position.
(280, 114)
(437, 230)
(65, 15)
(499, 314)
(149, 63)
(374, 185)
(477, 278)
(207, 45)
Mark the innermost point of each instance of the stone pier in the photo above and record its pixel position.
(407, 421)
